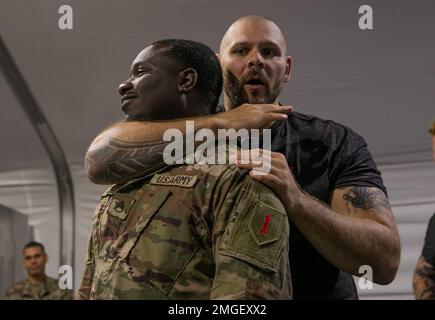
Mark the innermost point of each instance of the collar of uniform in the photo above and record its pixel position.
(220, 108)
(28, 285)
(27, 292)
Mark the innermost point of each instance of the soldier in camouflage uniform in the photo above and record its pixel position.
(190, 232)
(37, 286)
(186, 231)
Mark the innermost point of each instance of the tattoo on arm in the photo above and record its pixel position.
(424, 280)
(366, 198)
(118, 161)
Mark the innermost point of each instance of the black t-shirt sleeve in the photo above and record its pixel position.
(428, 252)
(354, 165)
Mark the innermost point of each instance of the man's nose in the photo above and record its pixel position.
(125, 87)
(256, 60)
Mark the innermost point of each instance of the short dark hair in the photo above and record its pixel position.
(34, 244)
(198, 56)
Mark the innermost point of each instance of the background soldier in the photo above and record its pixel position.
(37, 286)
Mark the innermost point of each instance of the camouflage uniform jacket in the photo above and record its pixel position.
(48, 290)
(189, 232)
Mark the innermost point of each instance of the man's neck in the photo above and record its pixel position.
(228, 105)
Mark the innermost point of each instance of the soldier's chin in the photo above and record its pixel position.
(34, 272)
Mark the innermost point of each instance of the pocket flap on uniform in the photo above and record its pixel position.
(148, 208)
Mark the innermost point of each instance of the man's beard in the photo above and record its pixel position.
(234, 90)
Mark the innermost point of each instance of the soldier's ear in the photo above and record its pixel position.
(187, 80)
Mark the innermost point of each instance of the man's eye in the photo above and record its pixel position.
(239, 51)
(268, 53)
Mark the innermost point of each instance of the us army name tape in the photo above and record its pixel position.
(178, 180)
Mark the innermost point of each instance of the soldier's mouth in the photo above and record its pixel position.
(127, 97)
(125, 100)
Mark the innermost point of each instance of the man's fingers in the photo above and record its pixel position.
(280, 109)
(266, 108)
(268, 179)
(249, 165)
(276, 116)
(254, 154)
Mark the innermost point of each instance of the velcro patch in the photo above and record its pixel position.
(120, 207)
(178, 180)
(259, 235)
(265, 224)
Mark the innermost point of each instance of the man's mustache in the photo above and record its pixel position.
(257, 74)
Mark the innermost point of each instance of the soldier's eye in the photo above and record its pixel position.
(141, 71)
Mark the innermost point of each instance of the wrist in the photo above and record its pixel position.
(216, 122)
(294, 202)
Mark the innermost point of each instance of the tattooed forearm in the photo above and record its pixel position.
(117, 161)
(365, 198)
(424, 280)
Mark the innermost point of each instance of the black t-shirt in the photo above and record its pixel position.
(323, 156)
(428, 252)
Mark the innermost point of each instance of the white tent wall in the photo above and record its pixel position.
(411, 190)
(27, 184)
(32, 194)
(15, 232)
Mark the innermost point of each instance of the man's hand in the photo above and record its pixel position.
(280, 178)
(252, 116)
(357, 229)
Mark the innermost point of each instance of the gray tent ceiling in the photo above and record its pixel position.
(379, 82)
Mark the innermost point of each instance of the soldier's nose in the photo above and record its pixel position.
(125, 87)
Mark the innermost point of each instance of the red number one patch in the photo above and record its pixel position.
(265, 224)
